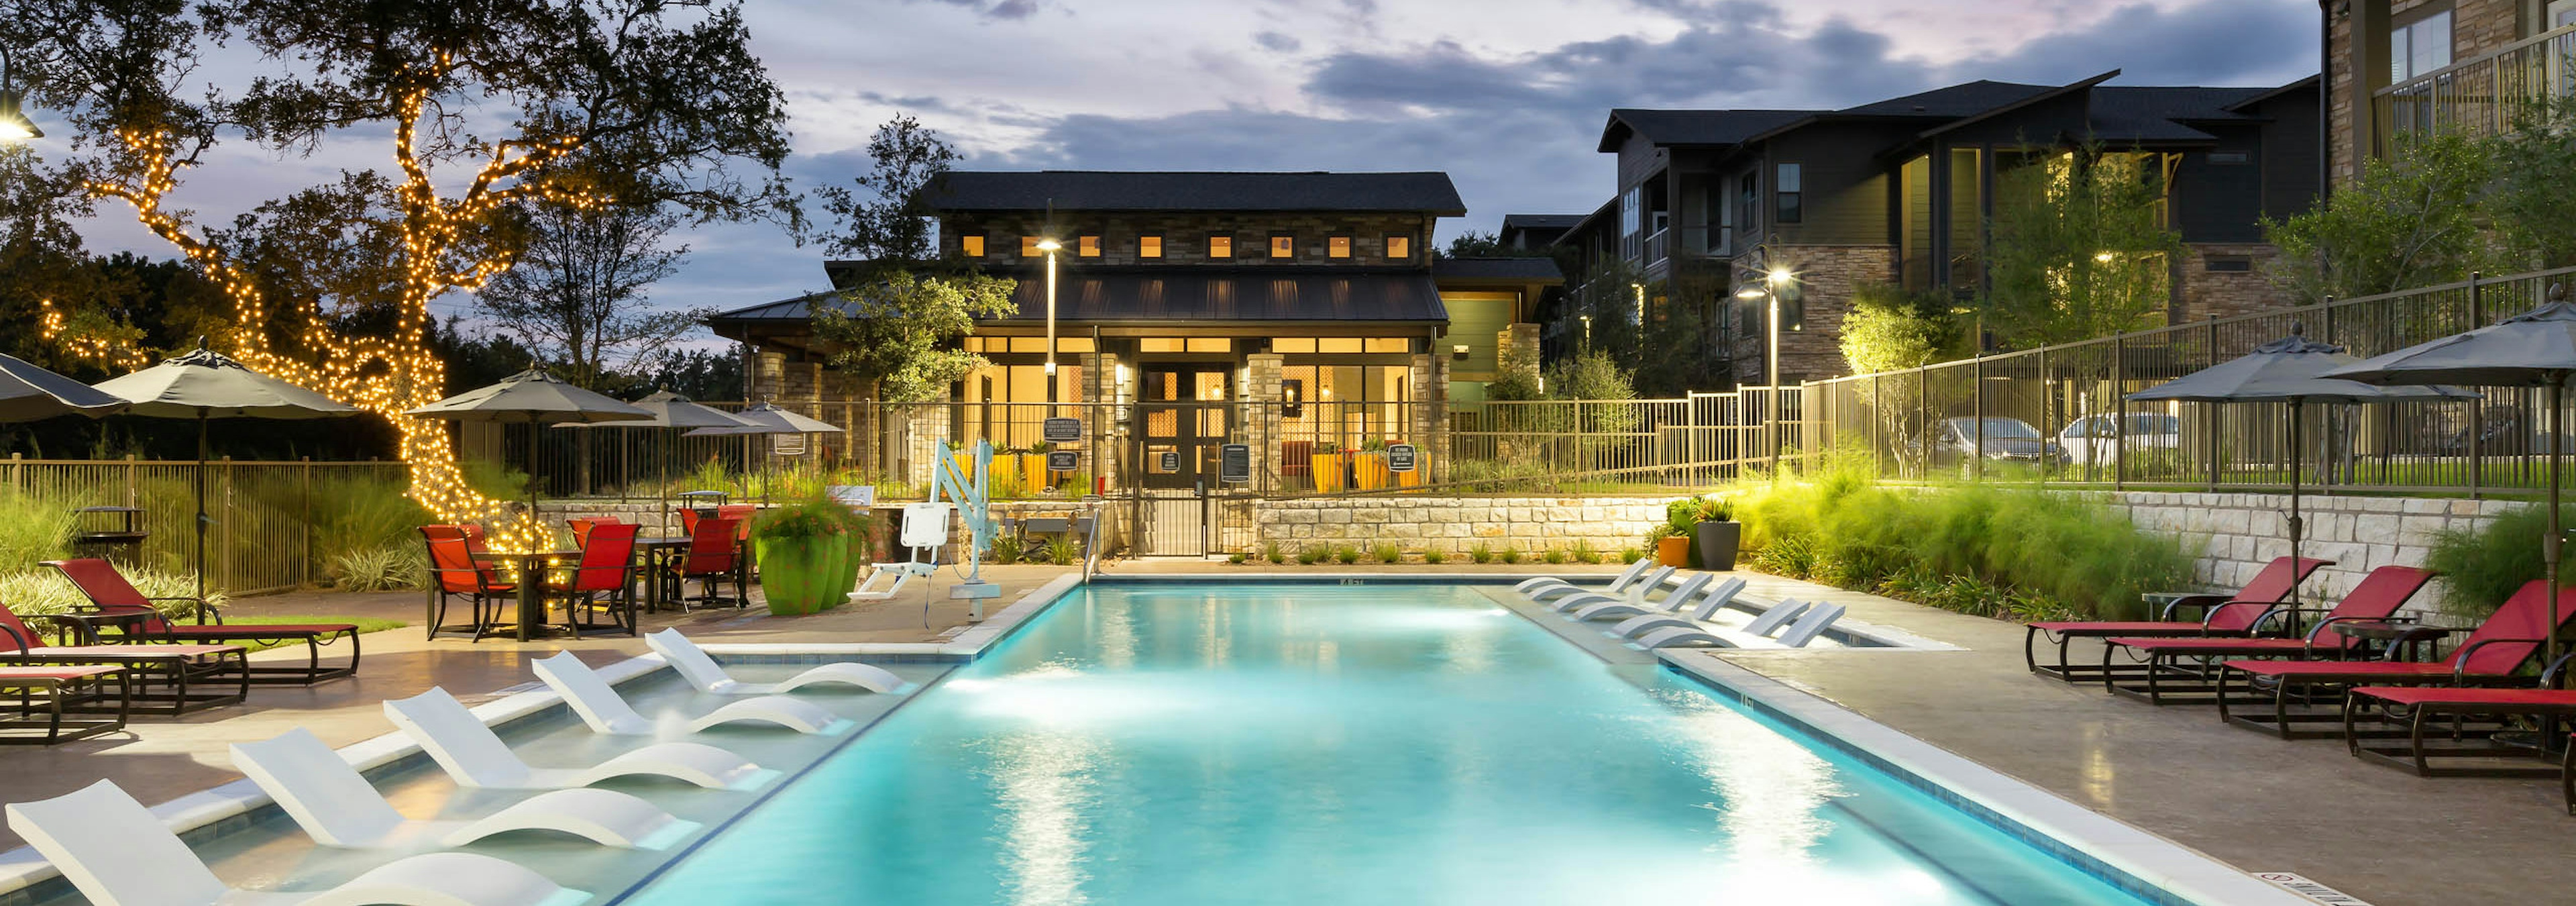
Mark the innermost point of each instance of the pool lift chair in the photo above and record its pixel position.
(608, 714)
(1597, 607)
(925, 528)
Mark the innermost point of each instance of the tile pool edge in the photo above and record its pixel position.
(2130, 858)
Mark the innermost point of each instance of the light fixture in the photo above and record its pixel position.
(1779, 277)
(14, 124)
(1048, 245)
(2103, 257)
(1749, 293)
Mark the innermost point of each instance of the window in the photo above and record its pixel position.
(1293, 344)
(2419, 47)
(1337, 247)
(1785, 194)
(1388, 344)
(1029, 247)
(1220, 246)
(1087, 246)
(1283, 246)
(2229, 264)
(1630, 220)
(971, 246)
(1725, 219)
(1338, 344)
(1159, 344)
(1399, 248)
(1209, 344)
(2230, 157)
(1748, 198)
(1178, 344)
(1149, 246)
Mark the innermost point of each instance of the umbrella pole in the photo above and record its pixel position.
(201, 516)
(2294, 514)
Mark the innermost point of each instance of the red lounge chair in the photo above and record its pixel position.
(2417, 706)
(607, 567)
(453, 573)
(714, 555)
(2221, 615)
(109, 593)
(2488, 657)
(2376, 598)
(62, 686)
(176, 665)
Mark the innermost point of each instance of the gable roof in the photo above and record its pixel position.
(1123, 190)
(1693, 127)
(1964, 99)
(1497, 270)
(1542, 221)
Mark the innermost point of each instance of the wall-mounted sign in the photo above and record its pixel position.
(787, 444)
(1171, 461)
(1234, 464)
(1062, 430)
(1400, 457)
(1063, 460)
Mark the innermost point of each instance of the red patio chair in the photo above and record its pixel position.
(581, 527)
(2418, 706)
(63, 687)
(2489, 657)
(714, 556)
(174, 666)
(453, 573)
(2376, 598)
(607, 567)
(110, 594)
(2221, 615)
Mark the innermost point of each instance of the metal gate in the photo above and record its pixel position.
(1173, 524)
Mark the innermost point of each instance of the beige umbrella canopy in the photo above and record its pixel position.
(765, 418)
(29, 393)
(531, 397)
(204, 384)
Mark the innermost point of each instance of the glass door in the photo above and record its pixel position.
(1183, 408)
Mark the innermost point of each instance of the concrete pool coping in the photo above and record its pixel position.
(25, 875)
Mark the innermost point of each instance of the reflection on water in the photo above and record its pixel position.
(1044, 791)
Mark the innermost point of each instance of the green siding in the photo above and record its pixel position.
(1475, 323)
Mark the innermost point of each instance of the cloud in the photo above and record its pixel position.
(1280, 41)
(995, 9)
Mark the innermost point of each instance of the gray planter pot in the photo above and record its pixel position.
(1717, 544)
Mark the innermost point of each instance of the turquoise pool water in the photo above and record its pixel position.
(1305, 744)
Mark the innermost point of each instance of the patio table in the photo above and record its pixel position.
(2414, 639)
(655, 554)
(532, 569)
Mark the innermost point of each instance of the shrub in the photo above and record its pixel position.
(1508, 554)
(1584, 552)
(1553, 556)
(1270, 551)
(1346, 555)
(1387, 552)
(1311, 554)
(2481, 568)
(1631, 554)
(1005, 549)
(33, 528)
(493, 479)
(1481, 553)
(1434, 557)
(1235, 558)
(391, 567)
(1063, 551)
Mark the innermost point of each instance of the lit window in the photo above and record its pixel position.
(1028, 344)
(1159, 344)
(1087, 246)
(1029, 247)
(1337, 247)
(1211, 344)
(1293, 344)
(1389, 344)
(972, 246)
(1283, 246)
(1220, 246)
(1073, 344)
(974, 344)
(1149, 246)
(1399, 248)
(1338, 344)
(1784, 190)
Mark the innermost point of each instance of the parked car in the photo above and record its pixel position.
(2090, 440)
(2007, 440)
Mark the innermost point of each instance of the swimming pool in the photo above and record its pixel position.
(1302, 743)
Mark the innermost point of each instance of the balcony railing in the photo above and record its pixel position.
(1659, 246)
(2480, 96)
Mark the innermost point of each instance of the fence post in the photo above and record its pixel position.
(1923, 423)
(2047, 414)
(2120, 412)
(2217, 412)
(129, 480)
(304, 501)
(2477, 404)
(1977, 409)
(1877, 413)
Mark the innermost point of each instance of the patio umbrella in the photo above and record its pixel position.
(531, 397)
(204, 384)
(764, 418)
(2534, 349)
(670, 410)
(29, 393)
(2288, 370)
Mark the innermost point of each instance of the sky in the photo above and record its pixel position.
(1507, 96)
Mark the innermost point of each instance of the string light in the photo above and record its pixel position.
(386, 375)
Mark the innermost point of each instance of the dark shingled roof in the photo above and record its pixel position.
(1957, 100)
(1523, 270)
(1101, 190)
(1542, 221)
(1694, 127)
(1177, 294)
(2120, 113)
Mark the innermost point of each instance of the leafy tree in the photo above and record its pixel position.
(699, 374)
(486, 108)
(1889, 329)
(1472, 244)
(2535, 187)
(2080, 247)
(890, 217)
(580, 294)
(2409, 220)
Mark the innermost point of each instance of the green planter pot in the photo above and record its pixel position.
(798, 574)
(854, 557)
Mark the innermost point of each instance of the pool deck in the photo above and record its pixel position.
(2260, 803)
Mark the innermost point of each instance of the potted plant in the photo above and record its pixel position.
(1326, 466)
(1368, 467)
(809, 552)
(1034, 466)
(1718, 534)
(1673, 538)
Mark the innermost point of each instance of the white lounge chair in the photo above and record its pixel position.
(703, 672)
(1679, 636)
(1779, 615)
(607, 712)
(337, 807)
(1813, 624)
(474, 756)
(117, 854)
(1553, 586)
(1594, 607)
(1580, 596)
(1753, 635)
(1717, 599)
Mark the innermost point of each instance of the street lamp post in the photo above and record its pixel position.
(1769, 292)
(1050, 246)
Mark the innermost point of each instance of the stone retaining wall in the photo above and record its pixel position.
(2238, 533)
(1457, 524)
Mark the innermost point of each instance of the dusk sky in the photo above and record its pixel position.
(1507, 96)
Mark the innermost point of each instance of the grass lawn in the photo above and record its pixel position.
(365, 625)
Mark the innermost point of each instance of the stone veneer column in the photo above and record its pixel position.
(1112, 401)
(1430, 412)
(1516, 350)
(1261, 414)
